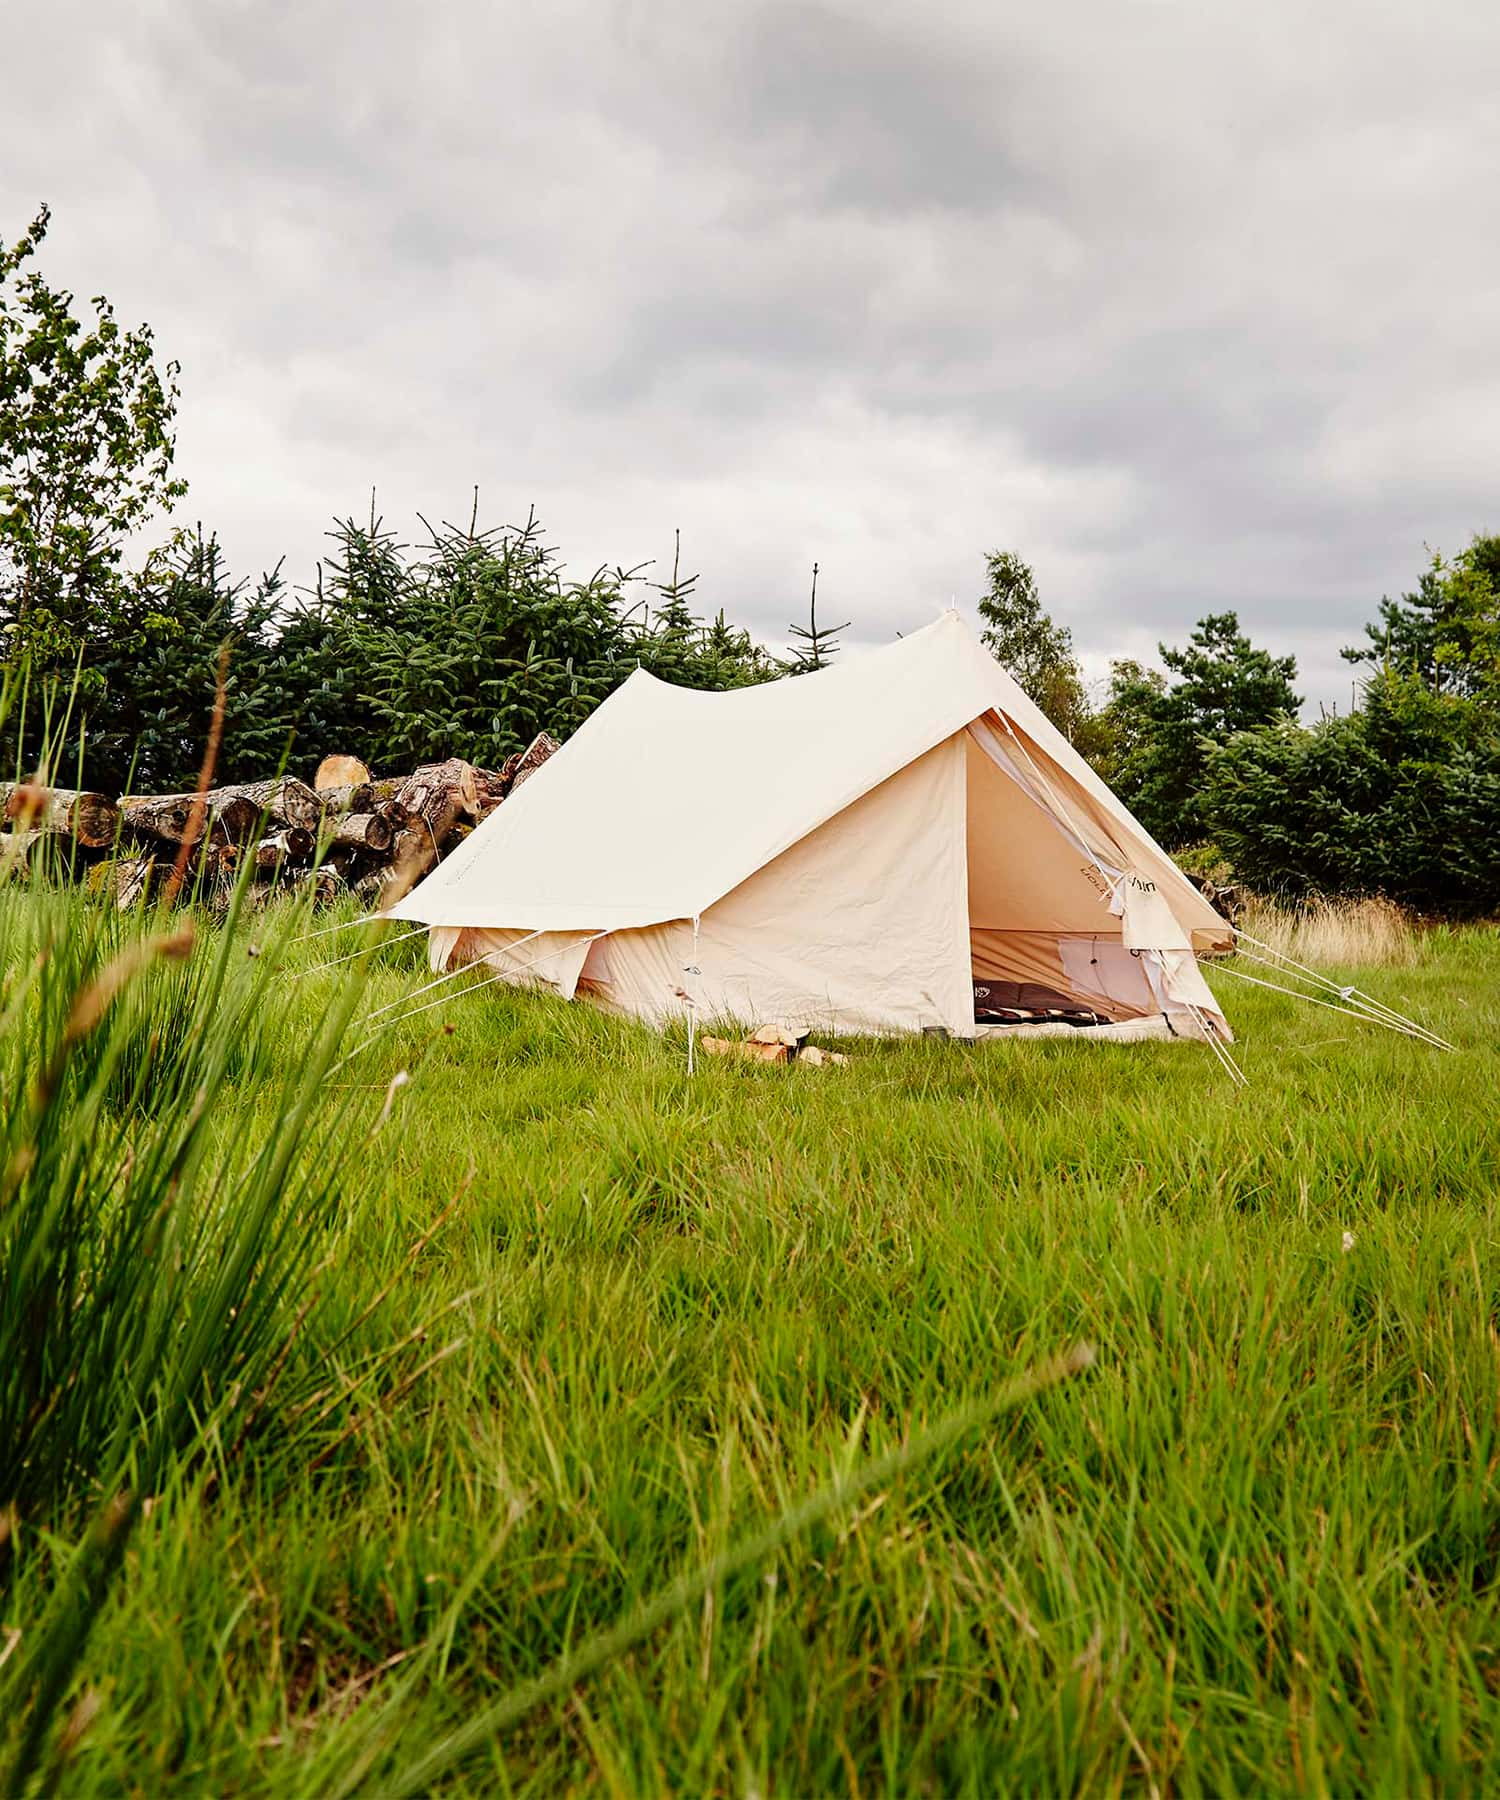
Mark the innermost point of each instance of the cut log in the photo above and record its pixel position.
(290, 846)
(21, 850)
(326, 884)
(132, 880)
(525, 763)
(491, 790)
(88, 818)
(439, 795)
(777, 1034)
(358, 831)
(228, 816)
(358, 797)
(384, 800)
(413, 853)
(335, 772)
(749, 1048)
(370, 889)
(219, 863)
(284, 801)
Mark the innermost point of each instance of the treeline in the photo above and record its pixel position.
(1399, 797)
(468, 645)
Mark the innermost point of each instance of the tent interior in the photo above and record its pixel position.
(1042, 940)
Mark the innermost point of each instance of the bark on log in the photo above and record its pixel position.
(219, 863)
(89, 819)
(290, 846)
(541, 747)
(414, 853)
(359, 831)
(284, 801)
(229, 816)
(369, 889)
(20, 849)
(358, 797)
(232, 815)
(132, 880)
(438, 795)
(326, 884)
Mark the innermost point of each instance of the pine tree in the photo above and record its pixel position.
(819, 643)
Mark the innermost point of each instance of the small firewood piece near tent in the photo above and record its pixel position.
(771, 1044)
(88, 818)
(777, 1034)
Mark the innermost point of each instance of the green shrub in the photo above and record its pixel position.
(1399, 799)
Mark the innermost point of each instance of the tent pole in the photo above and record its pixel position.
(692, 970)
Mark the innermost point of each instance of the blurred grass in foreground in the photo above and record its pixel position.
(626, 1322)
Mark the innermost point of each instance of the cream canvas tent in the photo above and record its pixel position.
(857, 850)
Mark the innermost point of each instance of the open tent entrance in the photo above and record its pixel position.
(1043, 944)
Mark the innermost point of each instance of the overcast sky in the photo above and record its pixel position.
(1195, 305)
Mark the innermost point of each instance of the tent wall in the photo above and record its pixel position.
(1025, 874)
(862, 926)
(545, 959)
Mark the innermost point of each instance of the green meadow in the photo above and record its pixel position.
(551, 1421)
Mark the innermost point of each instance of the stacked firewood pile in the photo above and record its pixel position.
(348, 831)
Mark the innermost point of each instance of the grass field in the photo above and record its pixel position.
(577, 1326)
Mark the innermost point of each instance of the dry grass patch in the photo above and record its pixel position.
(1336, 933)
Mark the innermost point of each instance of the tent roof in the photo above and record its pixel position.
(667, 798)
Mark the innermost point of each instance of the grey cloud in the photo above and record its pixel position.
(1192, 306)
(878, 116)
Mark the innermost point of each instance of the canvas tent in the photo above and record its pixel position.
(856, 850)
